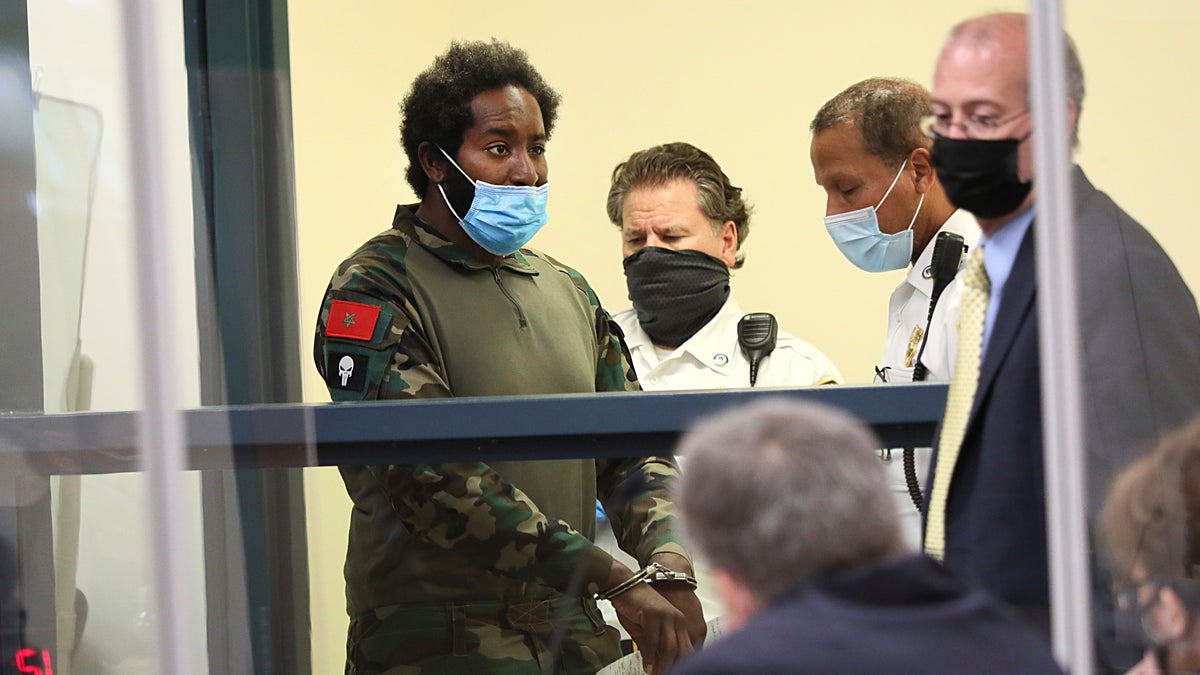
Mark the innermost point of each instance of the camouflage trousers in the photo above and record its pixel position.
(555, 636)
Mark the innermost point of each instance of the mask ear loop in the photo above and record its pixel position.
(914, 218)
(447, 200)
(889, 190)
(439, 185)
(460, 169)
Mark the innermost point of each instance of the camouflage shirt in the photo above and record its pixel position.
(411, 315)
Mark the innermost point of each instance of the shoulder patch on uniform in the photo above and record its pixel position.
(344, 370)
(351, 320)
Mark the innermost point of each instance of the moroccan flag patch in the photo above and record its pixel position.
(352, 320)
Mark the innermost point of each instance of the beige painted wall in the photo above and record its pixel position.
(741, 81)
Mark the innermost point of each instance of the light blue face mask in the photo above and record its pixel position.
(859, 238)
(502, 218)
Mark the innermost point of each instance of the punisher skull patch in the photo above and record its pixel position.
(346, 371)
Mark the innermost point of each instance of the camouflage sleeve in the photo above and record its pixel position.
(634, 491)
(467, 507)
(636, 497)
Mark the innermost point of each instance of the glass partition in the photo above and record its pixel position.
(1137, 318)
(280, 157)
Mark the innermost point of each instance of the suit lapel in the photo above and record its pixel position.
(1015, 309)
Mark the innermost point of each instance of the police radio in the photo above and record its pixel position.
(948, 249)
(756, 336)
(947, 253)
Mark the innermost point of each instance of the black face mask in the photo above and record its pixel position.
(675, 293)
(980, 176)
(1132, 629)
(1132, 622)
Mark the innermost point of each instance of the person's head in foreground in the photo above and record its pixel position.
(790, 504)
(1152, 522)
(780, 491)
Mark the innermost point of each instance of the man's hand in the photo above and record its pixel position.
(656, 626)
(683, 598)
(658, 629)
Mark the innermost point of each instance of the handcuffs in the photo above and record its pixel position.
(654, 574)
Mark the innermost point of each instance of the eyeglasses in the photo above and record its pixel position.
(979, 127)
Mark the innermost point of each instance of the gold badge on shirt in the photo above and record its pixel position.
(914, 341)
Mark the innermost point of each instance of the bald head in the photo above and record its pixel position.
(1000, 41)
(990, 28)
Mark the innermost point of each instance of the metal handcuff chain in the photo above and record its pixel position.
(653, 573)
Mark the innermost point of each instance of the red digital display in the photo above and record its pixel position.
(30, 661)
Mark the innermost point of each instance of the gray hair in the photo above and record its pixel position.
(780, 490)
(985, 29)
(886, 111)
(718, 198)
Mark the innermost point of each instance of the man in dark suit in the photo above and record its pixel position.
(788, 503)
(1141, 331)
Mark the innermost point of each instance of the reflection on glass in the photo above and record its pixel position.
(67, 145)
(67, 137)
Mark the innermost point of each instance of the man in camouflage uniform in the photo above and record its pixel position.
(478, 567)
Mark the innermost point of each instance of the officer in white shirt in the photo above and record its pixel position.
(884, 210)
(682, 227)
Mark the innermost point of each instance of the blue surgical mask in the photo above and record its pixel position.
(502, 218)
(859, 238)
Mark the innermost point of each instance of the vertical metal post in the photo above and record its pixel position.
(1059, 341)
(20, 304)
(26, 583)
(256, 553)
(161, 423)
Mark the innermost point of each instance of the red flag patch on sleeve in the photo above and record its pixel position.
(352, 320)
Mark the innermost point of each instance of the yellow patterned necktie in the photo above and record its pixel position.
(973, 310)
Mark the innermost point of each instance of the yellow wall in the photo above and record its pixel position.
(741, 81)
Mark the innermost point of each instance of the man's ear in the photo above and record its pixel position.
(433, 162)
(922, 164)
(729, 243)
(1073, 117)
(740, 602)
